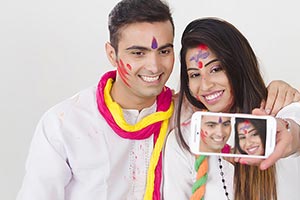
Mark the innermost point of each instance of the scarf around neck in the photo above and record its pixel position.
(155, 123)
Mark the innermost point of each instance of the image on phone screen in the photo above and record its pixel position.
(238, 135)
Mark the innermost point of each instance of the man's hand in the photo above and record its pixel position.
(280, 94)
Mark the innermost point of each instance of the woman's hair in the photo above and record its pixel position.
(248, 89)
(259, 125)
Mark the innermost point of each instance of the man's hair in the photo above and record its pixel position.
(132, 11)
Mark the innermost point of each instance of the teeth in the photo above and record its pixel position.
(218, 139)
(252, 150)
(150, 78)
(213, 96)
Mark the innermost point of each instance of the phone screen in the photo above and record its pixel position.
(236, 135)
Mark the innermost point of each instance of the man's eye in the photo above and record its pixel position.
(138, 53)
(165, 51)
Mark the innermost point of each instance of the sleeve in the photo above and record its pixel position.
(178, 170)
(47, 170)
(291, 111)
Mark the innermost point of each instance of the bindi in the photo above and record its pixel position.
(154, 44)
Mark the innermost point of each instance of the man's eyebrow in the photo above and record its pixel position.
(135, 47)
(214, 60)
(165, 46)
(210, 122)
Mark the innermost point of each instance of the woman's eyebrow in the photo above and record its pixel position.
(214, 60)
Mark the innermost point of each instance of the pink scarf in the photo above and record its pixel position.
(164, 100)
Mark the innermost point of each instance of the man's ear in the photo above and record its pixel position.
(111, 54)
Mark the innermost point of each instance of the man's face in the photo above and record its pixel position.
(215, 132)
(144, 59)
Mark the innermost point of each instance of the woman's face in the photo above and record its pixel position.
(208, 81)
(249, 139)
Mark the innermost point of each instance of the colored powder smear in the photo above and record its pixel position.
(154, 44)
(122, 72)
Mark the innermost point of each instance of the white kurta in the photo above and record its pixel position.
(179, 172)
(75, 155)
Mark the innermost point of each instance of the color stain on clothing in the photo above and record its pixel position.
(154, 44)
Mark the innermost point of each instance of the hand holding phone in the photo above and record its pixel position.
(232, 135)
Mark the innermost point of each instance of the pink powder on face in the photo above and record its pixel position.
(203, 135)
(122, 72)
(202, 47)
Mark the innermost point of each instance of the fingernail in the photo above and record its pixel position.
(243, 162)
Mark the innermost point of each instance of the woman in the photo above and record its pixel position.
(219, 73)
(250, 136)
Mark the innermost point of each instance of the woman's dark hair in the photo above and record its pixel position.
(237, 59)
(132, 11)
(259, 125)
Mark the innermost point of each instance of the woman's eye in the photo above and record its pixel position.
(216, 69)
(194, 75)
(241, 137)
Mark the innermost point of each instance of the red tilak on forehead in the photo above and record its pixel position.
(202, 47)
(200, 65)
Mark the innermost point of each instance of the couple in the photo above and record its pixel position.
(107, 141)
(249, 135)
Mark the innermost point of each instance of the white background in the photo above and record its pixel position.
(49, 50)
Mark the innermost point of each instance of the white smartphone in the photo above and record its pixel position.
(232, 135)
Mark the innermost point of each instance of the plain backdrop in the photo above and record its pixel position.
(50, 50)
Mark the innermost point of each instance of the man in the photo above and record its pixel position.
(106, 141)
(215, 132)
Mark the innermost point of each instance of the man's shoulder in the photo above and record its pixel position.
(83, 100)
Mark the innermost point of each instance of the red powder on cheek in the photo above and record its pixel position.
(203, 135)
(129, 66)
(122, 72)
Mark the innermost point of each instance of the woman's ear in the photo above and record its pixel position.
(111, 54)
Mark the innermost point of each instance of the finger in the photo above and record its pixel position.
(278, 103)
(289, 97)
(272, 94)
(251, 161)
(296, 96)
(276, 155)
(259, 111)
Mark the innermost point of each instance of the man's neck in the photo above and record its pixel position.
(129, 100)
